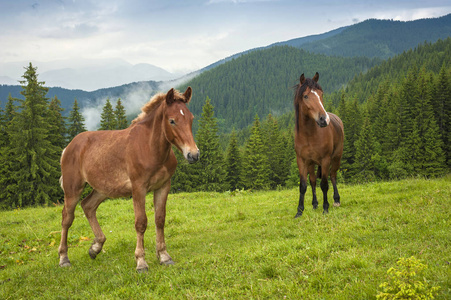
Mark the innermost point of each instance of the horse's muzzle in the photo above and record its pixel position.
(323, 121)
(192, 158)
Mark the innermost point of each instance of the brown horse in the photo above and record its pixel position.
(133, 161)
(318, 141)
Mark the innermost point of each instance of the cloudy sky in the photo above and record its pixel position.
(178, 35)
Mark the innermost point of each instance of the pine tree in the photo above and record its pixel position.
(364, 164)
(76, 122)
(58, 130)
(6, 157)
(107, 118)
(233, 163)
(57, 137)
(119, 112)
(430, 159)
(211, 162)
(35, 167)
(274, 142)
(255, 172)
(441, 103)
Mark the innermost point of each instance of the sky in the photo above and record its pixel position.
(179, 36)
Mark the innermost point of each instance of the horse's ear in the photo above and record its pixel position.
(302, 79)
(170, 97)
(316, 77)
(187, 94)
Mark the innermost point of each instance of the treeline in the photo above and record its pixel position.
(33, 133)
(402, 130)
(396, 121)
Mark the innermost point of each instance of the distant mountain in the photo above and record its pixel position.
(88, 75)
(260, 80)
(379, 38)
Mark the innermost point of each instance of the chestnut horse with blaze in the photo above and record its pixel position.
(129, 162)
(319, 140)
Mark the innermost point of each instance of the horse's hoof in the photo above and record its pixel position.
(325, 212)
(65, 263)
(167, 263)
(298, 215)
(142, 270)
(92, 253)
(315, 206)
(336, 204)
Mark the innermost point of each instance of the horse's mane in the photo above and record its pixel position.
(300, 89)
(154, 103)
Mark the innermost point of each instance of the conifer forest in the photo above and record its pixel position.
(396, 116)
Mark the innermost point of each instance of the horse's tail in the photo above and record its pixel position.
(61, 161)
(318, 173)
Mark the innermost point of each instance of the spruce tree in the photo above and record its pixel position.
(255, 174)
(119, 112)
(441, 103)
(57, 137)
(430, 159)
(274, 149)
(35, 167)
(364, 164)
(6, 157)
(107, 118)
(58, 130)
(211, 162)
(233, 163)
(76, 122)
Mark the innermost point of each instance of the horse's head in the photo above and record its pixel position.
(178, 122)
(309, 96)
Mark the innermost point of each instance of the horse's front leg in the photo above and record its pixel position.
(312, 178)
(159, 199)
(302, 186)
(139, 206)
(325, 165)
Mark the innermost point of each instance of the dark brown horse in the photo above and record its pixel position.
(318, 141)
(133, 161)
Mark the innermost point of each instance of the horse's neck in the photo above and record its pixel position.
(307, 124)
(155, 133)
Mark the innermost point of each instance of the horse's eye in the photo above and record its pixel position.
(305, 97)
(172, 121)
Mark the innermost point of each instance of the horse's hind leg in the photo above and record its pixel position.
(90, 205)
(68, 215)
(312, 178)
(333, 179)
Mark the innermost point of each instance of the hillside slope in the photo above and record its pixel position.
(382, 38)
(262, 81)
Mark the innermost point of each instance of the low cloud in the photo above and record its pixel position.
(133, 98)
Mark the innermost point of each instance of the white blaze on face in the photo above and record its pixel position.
(181, 111)
(319, 100)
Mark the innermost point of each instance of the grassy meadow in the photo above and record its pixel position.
(243, 245)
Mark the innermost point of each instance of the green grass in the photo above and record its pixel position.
(241, 246)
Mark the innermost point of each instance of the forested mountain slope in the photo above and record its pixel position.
(429, 56)
(262, 81)
(382, 38)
